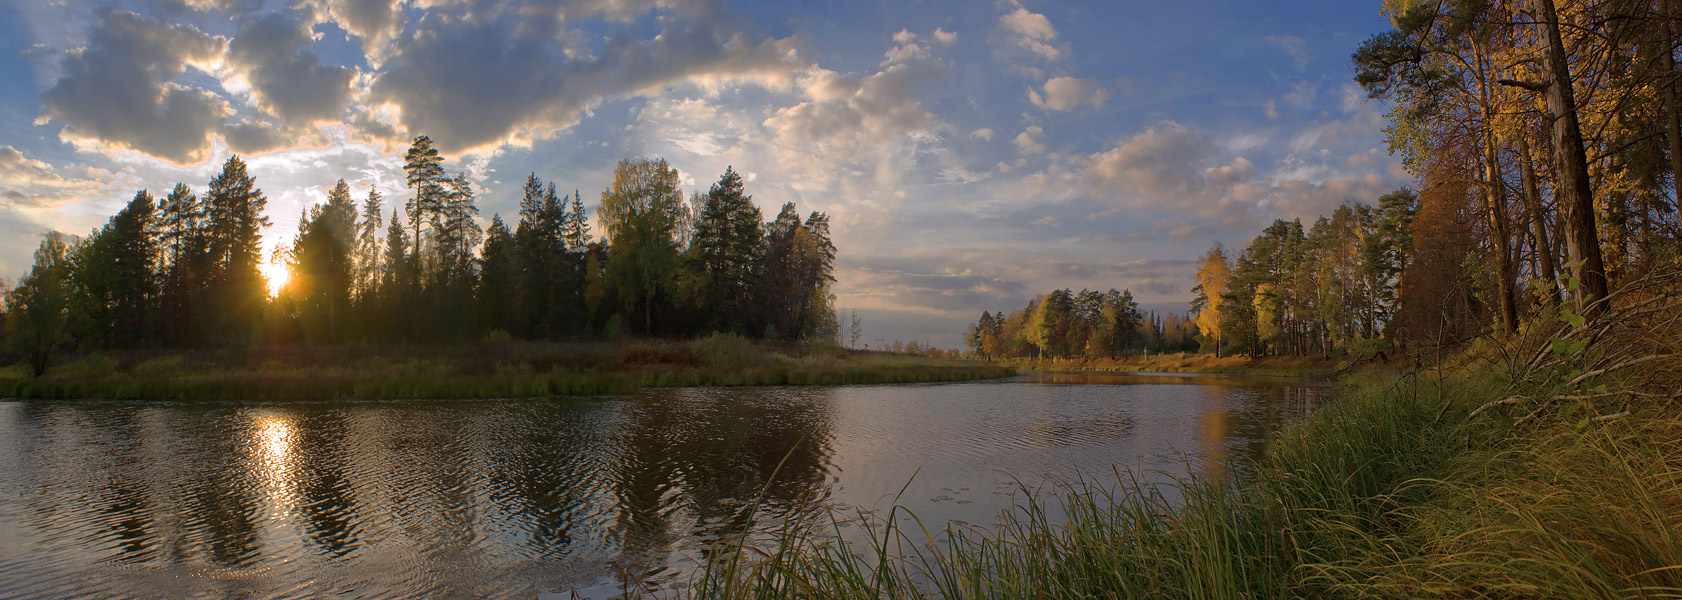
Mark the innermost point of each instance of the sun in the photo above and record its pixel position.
(277, 274)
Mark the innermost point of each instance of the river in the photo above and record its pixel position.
(526, 498)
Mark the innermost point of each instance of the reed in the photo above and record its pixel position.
(1544, 466)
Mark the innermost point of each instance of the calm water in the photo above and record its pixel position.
(523, 498)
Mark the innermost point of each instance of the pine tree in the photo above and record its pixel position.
(236, 245)
(397, 276)
(134, 254)
(368, 247)
(498, 277)
(186, 244)
(425, 174)
(725, 254)
(581, 224)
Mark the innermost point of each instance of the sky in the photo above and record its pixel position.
(971, 154)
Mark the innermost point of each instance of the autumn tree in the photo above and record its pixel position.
(1213, 276)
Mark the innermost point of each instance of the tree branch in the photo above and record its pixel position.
(1529, 85)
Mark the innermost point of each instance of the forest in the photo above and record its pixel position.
(184, 271)
(1546, 149)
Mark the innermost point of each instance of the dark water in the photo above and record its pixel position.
(523, 498)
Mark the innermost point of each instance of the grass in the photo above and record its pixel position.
(1385, 494)
(487, 370)
(1507, 474)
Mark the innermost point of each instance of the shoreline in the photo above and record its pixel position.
(1292, 367)
(491, 370)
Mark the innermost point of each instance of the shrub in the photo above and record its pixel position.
(728, 350)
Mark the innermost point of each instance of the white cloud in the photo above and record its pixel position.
(272, 55)
(1048, 222)
(1066, 93)
(117, 92)
(1302, 94)
(1293, 46)
(945, 37)
(1027, 33)
(1030, 141)
(29, 183)
(985, 134)
(478, 85)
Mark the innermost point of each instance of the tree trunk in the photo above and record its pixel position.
(1495, 203)
(1575, 197)
(1671, 103)
(1538, 220)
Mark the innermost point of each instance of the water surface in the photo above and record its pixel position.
(521, 498)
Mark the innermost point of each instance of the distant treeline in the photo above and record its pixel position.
(185, 271)
(1330, 288)
(1084, 324)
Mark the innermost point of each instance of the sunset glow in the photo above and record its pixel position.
(276, 274)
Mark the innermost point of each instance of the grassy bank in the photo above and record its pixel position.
(1269, 366)
(487, 370)
(1548, 466)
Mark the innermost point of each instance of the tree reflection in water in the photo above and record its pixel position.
(513, 498)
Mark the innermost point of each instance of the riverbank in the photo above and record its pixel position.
(1545, 466)
(1314, 367)
(484, 370)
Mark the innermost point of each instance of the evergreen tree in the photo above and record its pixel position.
(134, 255)
(499, 277)
(236, 226)
(397, 277)
(368, 247)
(725, 255)
(185, 238)
(323, 263)
(424, 170)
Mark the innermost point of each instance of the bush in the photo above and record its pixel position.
(728, 350)
(92, 365)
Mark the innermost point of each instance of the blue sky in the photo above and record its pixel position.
(971, 154)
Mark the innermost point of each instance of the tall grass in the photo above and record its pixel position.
(1391, 492)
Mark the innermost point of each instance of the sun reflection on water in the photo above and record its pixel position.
(273, 461)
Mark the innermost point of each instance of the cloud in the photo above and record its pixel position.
(1162, 165)
(846, 114)
(376, 22)
(945, 37)
(926, 292)
(272, 54)
(906, 49)
(1187, 232)
(1030, 141)
(29, 183)
(985, 134)
(1292, 45)
(1048, 222)
(118, 90)
(477, 84)
(17, 169)
(1302, 94)
(1066, 93)
(1026, 34)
